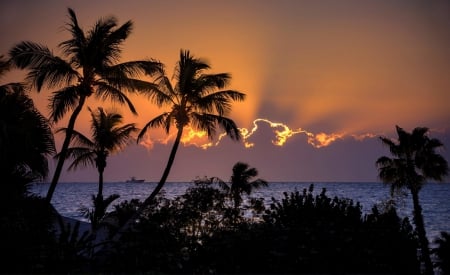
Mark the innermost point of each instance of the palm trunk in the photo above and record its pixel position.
(100, 181)
(420, 227)
(129, 223)
(64, 148)
(166, 172)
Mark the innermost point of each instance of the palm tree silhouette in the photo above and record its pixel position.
(194, 101)
(414, 161)
(107, 137)
(240, 183)
(25, 137)
(90, 68)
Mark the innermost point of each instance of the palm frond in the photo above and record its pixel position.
(158, 121)
(106, 91)
(433, 166)
(227, 124)
(96, 118)
(114, 41)
(77, 138)
(81, 157)
(12, 88)
(188, 69)
(211, 82)
(119, 80)
(204, 122)
(259, 183)
(25, 135)
(5, 65)
(161, 91)
(28, 54)
(45, 68)
(102, 51)
(135, 68)
(75, 46)
(155, 94)
(54, 73)
(122, 136)
(386, 141)
(108, 200)
(220, 101)
(419, 132)
(63, 100)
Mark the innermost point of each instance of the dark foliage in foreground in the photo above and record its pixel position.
(30, 243)
(198, 233)
(302, 233)
(442, 251)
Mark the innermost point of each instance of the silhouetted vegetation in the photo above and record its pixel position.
(26, 139)
(414, 161)
(442, 251)
(197, 99)
(87, 67)
(302, 233)
(216, 226)
(108, 137)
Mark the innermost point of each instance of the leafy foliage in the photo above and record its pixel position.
(304, 233)
(26, 139)
(442, 251)
(301, 233)
(97, 214)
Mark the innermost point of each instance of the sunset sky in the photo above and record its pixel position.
(324, 79)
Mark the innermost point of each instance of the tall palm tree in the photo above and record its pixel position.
(241, 182)
(414, 161)
(197, 99)
(25, 137)
(108, 136)
(88, 66)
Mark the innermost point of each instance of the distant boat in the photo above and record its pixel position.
(134, 180)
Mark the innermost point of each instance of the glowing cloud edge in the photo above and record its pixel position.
(281, 131)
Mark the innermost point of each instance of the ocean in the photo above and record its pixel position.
(69, 197)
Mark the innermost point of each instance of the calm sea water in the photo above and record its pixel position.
(434, 197)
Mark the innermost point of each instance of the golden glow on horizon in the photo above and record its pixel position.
(281, 131)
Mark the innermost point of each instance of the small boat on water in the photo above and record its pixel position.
(134, 180)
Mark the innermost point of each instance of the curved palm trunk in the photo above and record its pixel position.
(420, 227)
(166, 172)
(64, 148)
(129, 223)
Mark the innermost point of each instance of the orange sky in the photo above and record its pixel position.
(328, 70)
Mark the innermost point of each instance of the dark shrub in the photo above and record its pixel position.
(442, 251)
(304, 233)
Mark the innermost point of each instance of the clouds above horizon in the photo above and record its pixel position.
(323, 78)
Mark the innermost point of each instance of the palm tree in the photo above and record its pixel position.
(107, 137)
(414, 161)
(25, 137)
(196, 100)
(97, 214)
(240, 183)
(88, 67)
